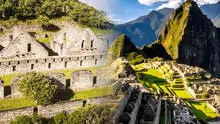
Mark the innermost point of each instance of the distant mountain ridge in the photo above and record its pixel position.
(145, 29)
(213, 12)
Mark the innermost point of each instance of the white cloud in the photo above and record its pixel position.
(151, 2)
(202, 2)
(173, 3)
(170, 4)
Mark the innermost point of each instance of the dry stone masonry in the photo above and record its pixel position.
(14, 87)
(81, 80)
(58, 79)
(73, 47)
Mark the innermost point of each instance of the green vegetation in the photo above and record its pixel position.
(87, 115)
(37, 86)
(6, 104)
(182, 93)
(121, 47)
(201, 110)
(95, 92)
(52, 9)
(44, 40)
(134, 58)
(174, 30)
(13, 103)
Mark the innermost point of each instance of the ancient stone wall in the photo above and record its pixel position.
(50, 63)
(7, 116)
(23, 46)
(76, 40)
(51, 110)
(14, 87)
(100, 100)
(81, 80)
(1, 89)
(58, 79)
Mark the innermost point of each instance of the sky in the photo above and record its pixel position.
(121, 11)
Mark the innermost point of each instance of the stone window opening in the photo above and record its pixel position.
(84, 103)
(54, 60)
(96, 61)
(14, 68)
(94, 80)
(82, 45)
(32, 66)
(49, 65)
(81, 62)
(62, 59)
(0, 63)
(92, 43)
(28, 61)
(36, 61)
(29, 47)
(45, 60)
(9, 63)
(18, 62)
(65, 64)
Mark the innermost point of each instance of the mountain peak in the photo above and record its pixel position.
(121, 47)
(191, 38)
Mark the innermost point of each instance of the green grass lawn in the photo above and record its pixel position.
(95, 92)
(201, 110)
(182, 93)
(13, 103)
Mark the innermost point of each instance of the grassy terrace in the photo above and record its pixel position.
(13, 103)
(154, 79)
(201, 110)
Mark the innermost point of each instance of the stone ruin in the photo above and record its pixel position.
(2, 94)
(82, 80)
(22, 45)
(14, 87)
(72, 47)
(58, 79)
(76, 40)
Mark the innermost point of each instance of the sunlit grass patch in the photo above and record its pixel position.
(201, 110)
(95, 92)
(14, 103)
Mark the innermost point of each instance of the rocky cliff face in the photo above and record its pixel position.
(191, 38)
(121, 47)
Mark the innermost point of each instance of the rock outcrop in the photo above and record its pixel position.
(121, 47)
(191, 38)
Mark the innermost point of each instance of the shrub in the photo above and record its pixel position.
(39, 87)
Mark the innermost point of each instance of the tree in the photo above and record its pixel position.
(39, 87)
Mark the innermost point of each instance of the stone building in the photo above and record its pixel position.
(58, 79)
(10, 36)
(23, 46)
(74, 40)
(81, 80)
(2, 95)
